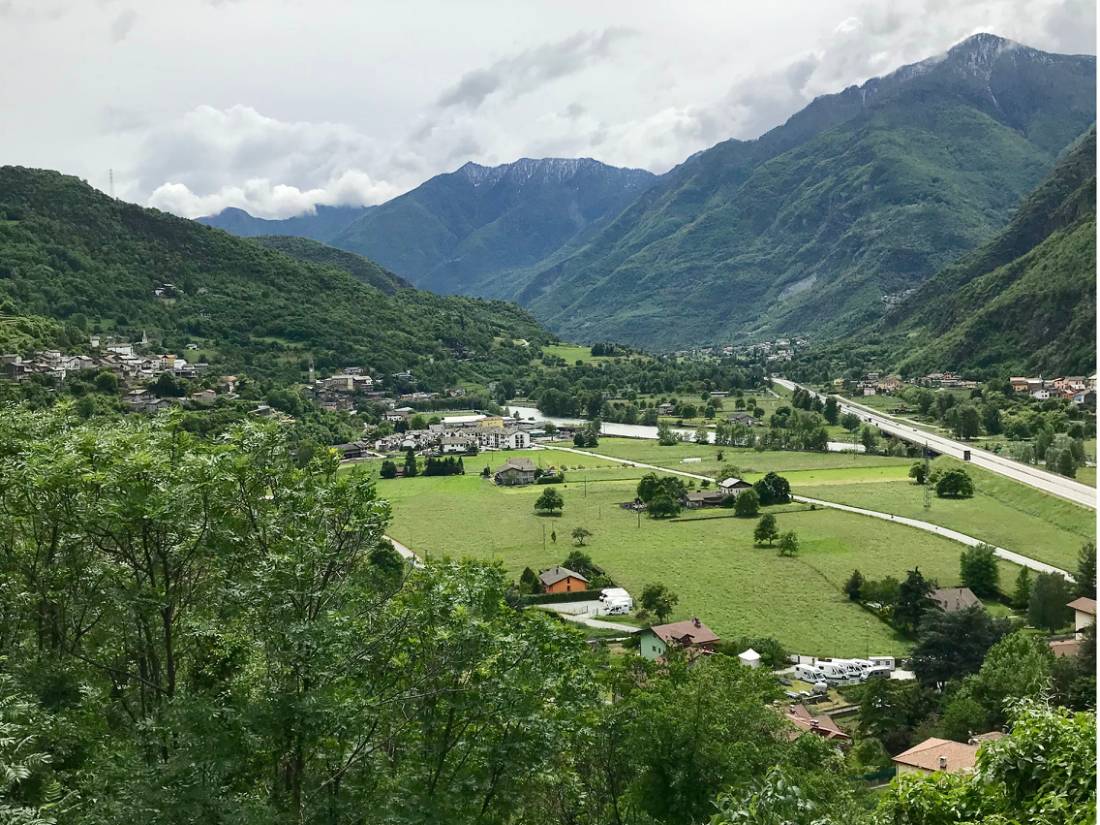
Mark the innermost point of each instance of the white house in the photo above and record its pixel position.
(1084, 613)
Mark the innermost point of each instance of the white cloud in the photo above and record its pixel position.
(287, 168)
(264, 199)
(278, 105)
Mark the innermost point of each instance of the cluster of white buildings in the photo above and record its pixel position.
(1075, 388)
(119, 357)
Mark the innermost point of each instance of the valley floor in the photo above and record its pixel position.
(707, 556)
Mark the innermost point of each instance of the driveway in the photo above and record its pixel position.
(584, 613)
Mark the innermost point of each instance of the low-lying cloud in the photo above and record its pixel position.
(287, 168)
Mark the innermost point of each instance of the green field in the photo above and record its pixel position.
(750, 462)
(1002, 512)
(707, 557)
(571, 353)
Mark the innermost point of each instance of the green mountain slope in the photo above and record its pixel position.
(862, 195)
(71, 253)
(323, 224)
(464, 231)
(1025, 301)
(316, 252)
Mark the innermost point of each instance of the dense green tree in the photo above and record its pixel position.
(773, 489)
(662, 505)
(889, 710)
(918, 472)
(868, 437)
(767, 530)
(1047, 606)
(912, 601)
(954, 483)
(410, 463)
(979, 571)
(952, 645)
(788, 544)
(1085, 580)
(550, 501)
(658, 600)
(853, 588)
(831, 410)
(529, 581)
(747, 504)
(1021, 592)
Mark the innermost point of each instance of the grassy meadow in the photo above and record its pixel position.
(707, 557)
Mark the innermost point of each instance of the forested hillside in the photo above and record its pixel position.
(861, 196)
(1022, 303)
(70, 253)
(316, 252)
(1025, 301)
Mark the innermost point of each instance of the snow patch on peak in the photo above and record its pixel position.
(541, 170)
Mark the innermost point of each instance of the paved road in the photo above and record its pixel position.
(928, 527)
(404, 551)
(946, 532)
(583, 612)
(1051, 483)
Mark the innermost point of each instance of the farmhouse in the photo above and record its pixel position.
(733, 486)
(562, 580)
(691, 635)
(704, 498)
(515, 471)
(743, 418)
(942, 755)
(954, 599)
(823, 725)
(1084, 613)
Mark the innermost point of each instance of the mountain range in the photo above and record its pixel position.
(818, 227)
(468, 231)
(74, 258)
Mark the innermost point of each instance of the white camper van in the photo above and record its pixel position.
(809, 673)
(835, 672)
(616, 601)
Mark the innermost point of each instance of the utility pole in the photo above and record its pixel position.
(111, 182)
(927, 480)
(544, 538)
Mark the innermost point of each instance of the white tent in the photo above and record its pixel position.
(750, 658)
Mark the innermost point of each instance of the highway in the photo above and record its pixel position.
(1051, 483)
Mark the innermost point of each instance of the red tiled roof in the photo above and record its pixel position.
(822, 725)
(926, 756)
(690, 632)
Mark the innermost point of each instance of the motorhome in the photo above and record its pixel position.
(883, 661)
(836, 672)
(809, 673)
(617, 595)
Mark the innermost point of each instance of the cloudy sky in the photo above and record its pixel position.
(275, 106)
